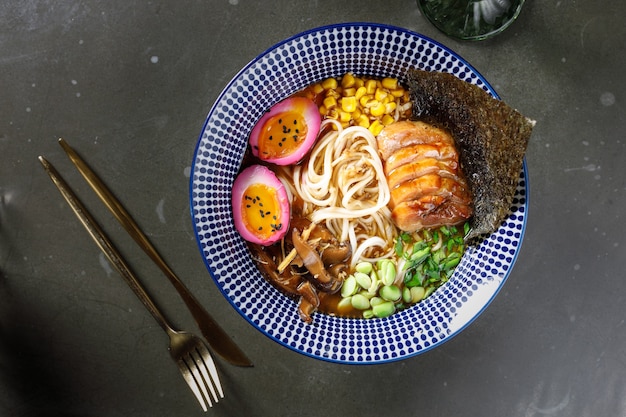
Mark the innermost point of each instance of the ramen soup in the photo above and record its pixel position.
(378, 204)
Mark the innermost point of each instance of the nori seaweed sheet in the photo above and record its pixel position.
(491, 138)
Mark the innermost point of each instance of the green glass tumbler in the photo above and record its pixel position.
(471, 19)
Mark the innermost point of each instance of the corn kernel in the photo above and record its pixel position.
(347, 92)
(370, 85)
(390, 107)
(333, 93)
(344, 117)
(356, 113)
(397, 93)
(378, 109)
(359, 82)
(329, 84)
(348, 104)
(375, 127)
(333, 114)
(347, 80)
(380, 94)
(363, 120)
(323, 110)
(390, 83)
(364, 100)
(330, 102)
(387, 119)
(360, 92)
(317, 88)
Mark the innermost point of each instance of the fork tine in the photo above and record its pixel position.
(204, 380)
(197, 372)
(206, 360)
(192, 382)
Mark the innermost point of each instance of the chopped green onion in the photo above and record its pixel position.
(428, 259)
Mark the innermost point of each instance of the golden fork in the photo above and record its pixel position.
(187, 350)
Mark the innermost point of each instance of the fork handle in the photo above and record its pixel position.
(105, 244)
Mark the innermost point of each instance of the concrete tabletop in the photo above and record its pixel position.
(129, 84)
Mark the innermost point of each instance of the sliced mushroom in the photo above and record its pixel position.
(309, 301)
(305, 310)
(311, 259)
(338, 272)
(308, 292)
(286, 281)
(336, 254)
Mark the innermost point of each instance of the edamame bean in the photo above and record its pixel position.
(388, 273)
(406, 295)
(368, 314)
(344, 304)
(390, 293)
(374, 275)
(367, 294)
(364, 267)
(374, 301)
(417, 294)
(349, 287)
(360, 302)
(375, 285)
(384, 309)
(363, 280)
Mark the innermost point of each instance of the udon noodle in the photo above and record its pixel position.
(342, 184)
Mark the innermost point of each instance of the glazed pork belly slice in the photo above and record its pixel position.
(403, 134)
(450, 190)
(418, 152)
(429, 212)
(426, 184)
(420, 167)
(414, 189)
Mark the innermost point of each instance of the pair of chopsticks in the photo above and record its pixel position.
(217, 338)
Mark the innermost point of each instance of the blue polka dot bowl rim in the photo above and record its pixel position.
(311, 56)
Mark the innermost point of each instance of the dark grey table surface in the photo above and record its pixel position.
(129, 84)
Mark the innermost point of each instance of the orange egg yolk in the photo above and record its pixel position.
(282, 134)
(261, 211)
